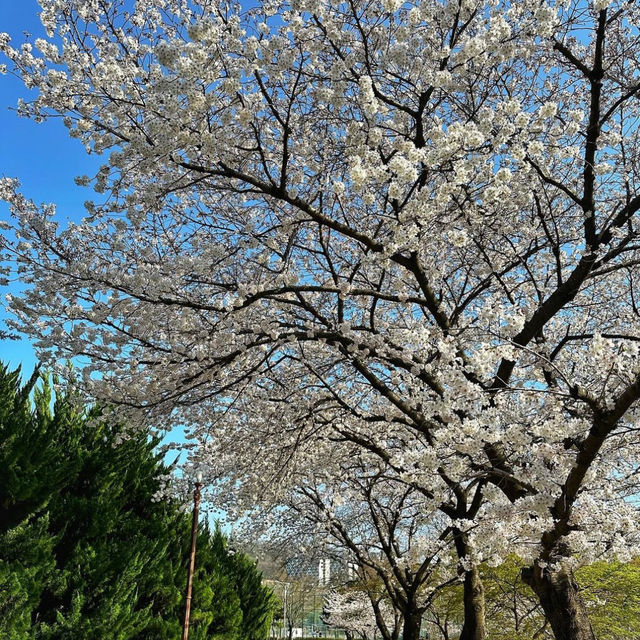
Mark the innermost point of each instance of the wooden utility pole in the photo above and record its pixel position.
(192, 558)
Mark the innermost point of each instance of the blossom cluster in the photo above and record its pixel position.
(397, 234)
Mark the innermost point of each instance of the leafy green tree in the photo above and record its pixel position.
(445, 616)
(611, 591)
(612, 594)
(513, 610)
(86, 551)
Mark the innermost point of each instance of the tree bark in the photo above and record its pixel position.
(474, 621)
(561, 601)
(473, 594)
(412, 623)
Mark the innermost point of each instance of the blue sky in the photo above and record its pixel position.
(41, 156)
(45, 160)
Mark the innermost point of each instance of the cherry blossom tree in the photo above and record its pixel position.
(393, 543)
(352, 611)
(409, 226)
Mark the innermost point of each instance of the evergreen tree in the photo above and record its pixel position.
(111, 541)
(35, 444)
(256, 601)
(86, 552)
(27, 563)
(36, 461)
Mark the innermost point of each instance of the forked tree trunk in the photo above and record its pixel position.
(474, 622)
(561, 601)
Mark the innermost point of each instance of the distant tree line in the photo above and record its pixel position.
(611, 591)
(86, 551)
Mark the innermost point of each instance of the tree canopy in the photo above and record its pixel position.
(400, 231)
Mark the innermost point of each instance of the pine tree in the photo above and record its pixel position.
(35, 443)
(256, 601)
(27, 563)
(86, 552)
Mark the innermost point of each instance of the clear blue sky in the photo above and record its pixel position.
(41, 156)
(45, 160)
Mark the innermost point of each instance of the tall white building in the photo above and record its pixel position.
(324, 571)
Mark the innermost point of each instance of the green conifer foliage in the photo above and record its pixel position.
(34, 446)
(257, 603)
(26, 564)
(85, 550)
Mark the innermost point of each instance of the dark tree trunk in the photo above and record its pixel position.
(561, 601)
(412, 623)
(385, 632)
(474, 622)
(473, 594)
